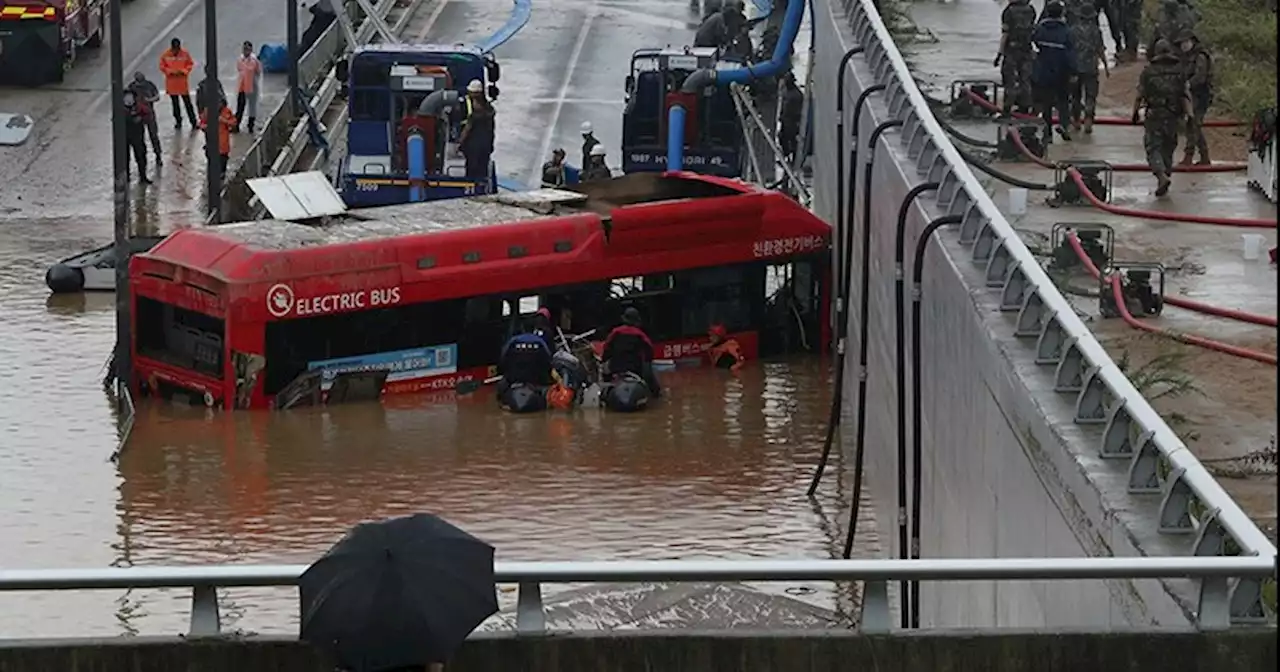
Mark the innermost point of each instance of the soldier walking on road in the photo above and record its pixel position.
(1162, 90)
(1174, 18)
(1053, 73)
(1127, 23)
(1086, 37)
(1017, 23)
(1197, 63)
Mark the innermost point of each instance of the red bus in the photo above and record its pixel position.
(236, 315)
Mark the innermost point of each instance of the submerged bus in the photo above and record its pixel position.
(714, 144)
(260, 314)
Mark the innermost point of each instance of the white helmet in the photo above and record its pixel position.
(586, 127)
(598, 150)
(475, 86)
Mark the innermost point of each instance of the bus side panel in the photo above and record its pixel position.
(246, 348)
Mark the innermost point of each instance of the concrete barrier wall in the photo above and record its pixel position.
(817, 651)
(1006, 472)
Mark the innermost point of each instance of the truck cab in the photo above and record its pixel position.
(40, 39)
(387, 86)
(713, 132)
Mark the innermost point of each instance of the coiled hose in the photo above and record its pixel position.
(1115, 287)
(985, 167)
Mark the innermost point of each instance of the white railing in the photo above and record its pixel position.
(1219, 605)
(1158, 462)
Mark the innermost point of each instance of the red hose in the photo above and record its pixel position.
(1190, 339)
(1101, 121)
(1243, 222)
(1179, 301)
(1130, 167)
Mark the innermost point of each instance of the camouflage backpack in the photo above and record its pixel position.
(1020, 22)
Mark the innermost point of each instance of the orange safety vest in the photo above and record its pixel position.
(227, 121)
(176, 69)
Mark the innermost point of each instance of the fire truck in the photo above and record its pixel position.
(40, 39)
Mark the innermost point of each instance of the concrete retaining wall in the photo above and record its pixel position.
(1239, 651)
(1005, 470)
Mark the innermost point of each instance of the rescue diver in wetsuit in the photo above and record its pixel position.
(525, 360)
(629, 350)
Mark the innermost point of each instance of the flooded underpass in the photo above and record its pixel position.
(717, 469)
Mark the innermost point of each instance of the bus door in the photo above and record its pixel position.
(792, 320)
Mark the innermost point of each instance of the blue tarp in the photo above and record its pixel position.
(274, 57)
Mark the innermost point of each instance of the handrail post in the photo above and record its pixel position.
(875, 607)
(205, 621)
(1214, 609)
(529, 615)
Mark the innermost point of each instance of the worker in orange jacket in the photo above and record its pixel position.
(226, 122)
(176, 65)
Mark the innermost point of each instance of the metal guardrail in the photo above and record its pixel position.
(1217, 607)
(1192, 503)
(281, 128)
(755, 130)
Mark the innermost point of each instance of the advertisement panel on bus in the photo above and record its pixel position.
(408, 370)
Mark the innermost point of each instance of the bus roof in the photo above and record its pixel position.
(654, 211)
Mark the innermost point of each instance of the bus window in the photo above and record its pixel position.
(721, 295)
(292, 345)
(180, 337)
(792, 313)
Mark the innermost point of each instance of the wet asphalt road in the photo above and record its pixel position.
(63, 171)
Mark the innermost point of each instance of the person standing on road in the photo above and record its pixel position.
(1162, 90)
(589, 141)
(226, 122)
(135, 130)
(1128, 21)
(1053, 73)
(596, 168)
(1017, 23)
(1086, 37)
(553, 174)
(477, 140)
(790, 117)
(1198, 66)
(147, 92)
(176, 65)
(249, 77)
(202, 93)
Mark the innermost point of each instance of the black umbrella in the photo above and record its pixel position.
(404, 591)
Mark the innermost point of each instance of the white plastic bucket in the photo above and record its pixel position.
(1017, 201)
(1252, 246)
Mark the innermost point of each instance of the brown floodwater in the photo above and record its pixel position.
(717, 470)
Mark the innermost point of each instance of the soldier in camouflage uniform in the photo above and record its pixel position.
(1086, 37)
(1017, 22)
(1128, 16)
(1198, 66)
(1174, 18)
(1162, 90)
